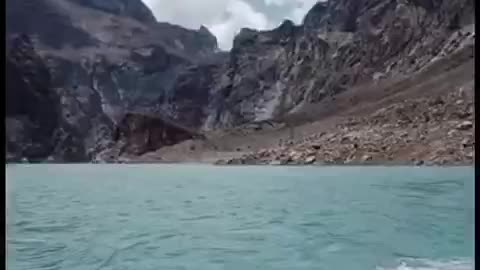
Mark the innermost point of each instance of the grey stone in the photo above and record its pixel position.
(465, 125)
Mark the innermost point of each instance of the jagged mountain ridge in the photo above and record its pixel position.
(340, 44)
(129, 8)
(129, 63)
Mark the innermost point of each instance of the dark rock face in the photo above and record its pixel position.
(45, 116)
(316, 17)
(140, 133)
(31, 107)
(39, 18)
(190, 94)
(80, 84)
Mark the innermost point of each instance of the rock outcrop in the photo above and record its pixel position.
(138, 133)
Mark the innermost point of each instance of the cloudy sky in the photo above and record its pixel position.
(225, 18)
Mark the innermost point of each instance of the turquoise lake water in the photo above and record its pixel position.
(146, 217)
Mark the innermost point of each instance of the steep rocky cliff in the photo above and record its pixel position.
(31, 107)
(46, 118)
(113, 58)
(110, 58)
(341, 43)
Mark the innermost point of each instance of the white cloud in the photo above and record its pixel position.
(224, 18)
(240, 15)
(188, 13)
(299, 7)
(301, 10)
(277, 2)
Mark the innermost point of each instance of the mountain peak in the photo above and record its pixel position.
(316, 15)
(135, 9)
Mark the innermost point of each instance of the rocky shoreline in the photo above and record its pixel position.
(424, 131)
(224, 163)
(377, 163)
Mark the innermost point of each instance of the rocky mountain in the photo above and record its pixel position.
(111, 58)
(341, 43)
(43, 118)
(31, 107)
(114, 64)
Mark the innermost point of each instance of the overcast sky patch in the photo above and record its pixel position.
(225, 18)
